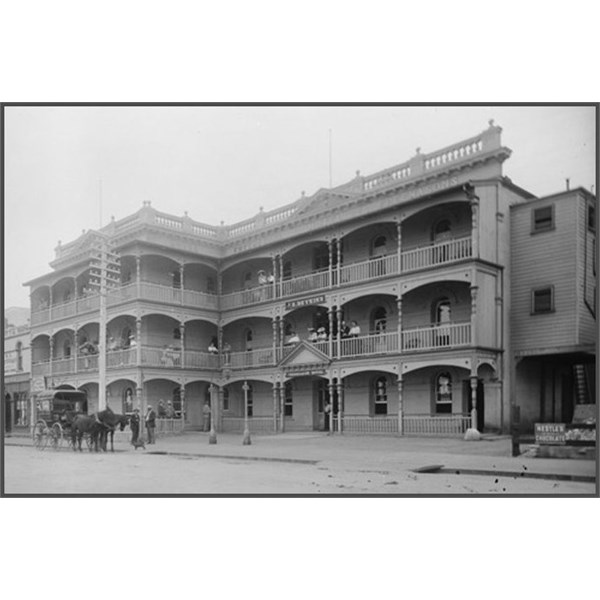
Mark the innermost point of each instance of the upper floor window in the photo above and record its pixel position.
(287, 269)
(542, 219)
(379, 246)
(379, 322)
(442, 230)
(380, 399)
(176, 275)
(225, 398)
(542, 300)
(442, 312)
(210, 285)
(443, 393)
(321, 258)
(591, 217)
(248, 339)
(67, 349)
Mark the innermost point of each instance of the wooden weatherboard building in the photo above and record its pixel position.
(394, 303)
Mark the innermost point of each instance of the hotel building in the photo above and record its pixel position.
(433, 287)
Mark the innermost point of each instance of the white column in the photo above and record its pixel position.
(400, 402)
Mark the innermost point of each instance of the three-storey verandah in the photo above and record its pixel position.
(440, 337)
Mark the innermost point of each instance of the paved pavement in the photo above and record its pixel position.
(489, 455)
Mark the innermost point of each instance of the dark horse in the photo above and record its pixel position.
(110, 421)
(85, 424)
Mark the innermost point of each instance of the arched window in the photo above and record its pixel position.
(176, 333)
(67, 349)
(442, 230)
(176, 275)
(128, 400)
(248, 335)
(210, 285)
(443, 393)
(379, 246)
(441, 311)
(379, 320)
(380, 399)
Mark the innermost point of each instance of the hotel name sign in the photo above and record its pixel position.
(305, 302)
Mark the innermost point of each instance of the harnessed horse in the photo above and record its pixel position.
(85, 424)
(110, 421)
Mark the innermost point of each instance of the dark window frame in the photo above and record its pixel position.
(535, 310)
(538, 225)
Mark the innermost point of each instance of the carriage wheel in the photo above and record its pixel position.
(39, 435)
(56, 436)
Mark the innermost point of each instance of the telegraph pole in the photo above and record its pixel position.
(105, 275)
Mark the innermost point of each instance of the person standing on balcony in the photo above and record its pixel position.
(322, 334)
(262, 278)
(212, 348)
(312, 335)
(344, 330)
(354, 330)
(150, 421)
(227, 352)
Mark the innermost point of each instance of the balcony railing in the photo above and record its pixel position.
(369, 269)
(382, 343)
(434, 337)
(305, 283)
(436, 254)
(194, 359)
(245, 297)
(147, 291)
(262, 357)
(126, 357)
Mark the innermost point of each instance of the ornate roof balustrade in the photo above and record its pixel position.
(305, 213)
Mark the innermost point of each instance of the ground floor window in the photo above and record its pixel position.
(250, 401)
(288, 399)
(443, 393)
(225, 398)
(380, 404)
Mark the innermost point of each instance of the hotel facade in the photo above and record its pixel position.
(395, 303)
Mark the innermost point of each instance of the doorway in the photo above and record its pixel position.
(479, 403)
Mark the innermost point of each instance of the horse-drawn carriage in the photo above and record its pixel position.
(54, 413)
(61, 415)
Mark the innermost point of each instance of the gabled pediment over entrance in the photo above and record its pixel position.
(305, 359)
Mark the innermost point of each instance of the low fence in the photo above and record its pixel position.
(255, 424)
(362, 424)
(169, 426)
(438, 425)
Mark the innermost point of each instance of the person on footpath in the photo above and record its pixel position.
(134, 425)
(206, 415)
(150, 424)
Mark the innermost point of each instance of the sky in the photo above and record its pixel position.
(69, 169)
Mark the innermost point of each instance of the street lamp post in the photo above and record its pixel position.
(212, 436)
(246, 441)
